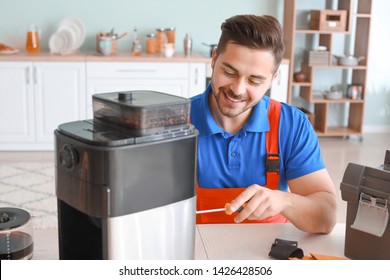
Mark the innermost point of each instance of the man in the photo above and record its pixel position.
(234, 158)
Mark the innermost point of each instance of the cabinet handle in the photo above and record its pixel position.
(28, 75)
(196, 76)
(35, 75)
(137, 70)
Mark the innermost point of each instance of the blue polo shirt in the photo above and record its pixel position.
(228, 160)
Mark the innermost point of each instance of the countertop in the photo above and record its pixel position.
(121, 56)
(93, 56)
(229, 241)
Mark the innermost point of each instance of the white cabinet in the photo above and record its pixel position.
(197, 79)
(35, 98)
(178, 78)
(279, 88)
(17, 121)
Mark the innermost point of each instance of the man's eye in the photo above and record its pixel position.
(255, 82)
(230, 74)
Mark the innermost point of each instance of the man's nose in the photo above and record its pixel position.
(238, 86)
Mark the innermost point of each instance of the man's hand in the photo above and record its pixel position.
(310, 205)
(261, 203)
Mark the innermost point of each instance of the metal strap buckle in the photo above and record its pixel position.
(272, 163)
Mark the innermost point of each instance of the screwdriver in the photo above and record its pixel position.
(226, 209)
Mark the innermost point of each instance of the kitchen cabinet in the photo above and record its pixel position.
(179, 78)
(42, 91)
(197, 78)
(339, 116)
(35, 98)
(16, 116)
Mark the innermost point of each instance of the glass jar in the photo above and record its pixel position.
(32, 40)
(151, 43)
(170, 32)
(161, 39)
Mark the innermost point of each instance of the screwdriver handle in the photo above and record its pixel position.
(227, 208)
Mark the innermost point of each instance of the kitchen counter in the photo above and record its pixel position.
(121, 56)
(144, 57)
(228, 241)
(93, 56)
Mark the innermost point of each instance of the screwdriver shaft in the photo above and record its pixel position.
(210, 210)
(226, 209)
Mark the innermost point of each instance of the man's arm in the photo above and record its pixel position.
(314, 203)
(310, 206)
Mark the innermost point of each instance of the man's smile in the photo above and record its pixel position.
(232, 99)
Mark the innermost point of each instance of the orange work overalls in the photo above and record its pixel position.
(217, 198)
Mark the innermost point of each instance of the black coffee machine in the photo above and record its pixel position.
(125, 180)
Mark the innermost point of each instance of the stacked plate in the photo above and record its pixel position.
(69, 37)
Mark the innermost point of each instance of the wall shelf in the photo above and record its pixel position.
(355, 37)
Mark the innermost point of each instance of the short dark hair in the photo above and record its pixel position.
(256, 32)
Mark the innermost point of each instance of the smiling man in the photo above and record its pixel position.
(252, 150)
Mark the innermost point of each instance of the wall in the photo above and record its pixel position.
(377, 106)
(200, 18)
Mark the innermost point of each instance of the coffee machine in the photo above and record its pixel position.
(125, 180)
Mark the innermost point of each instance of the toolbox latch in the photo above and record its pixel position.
(372, 215)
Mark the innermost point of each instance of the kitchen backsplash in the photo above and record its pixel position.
(200, 18)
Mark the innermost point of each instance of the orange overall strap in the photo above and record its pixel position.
(272, 146)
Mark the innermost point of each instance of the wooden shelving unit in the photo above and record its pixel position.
(357, 28)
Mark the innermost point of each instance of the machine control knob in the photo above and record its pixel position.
(68, 156)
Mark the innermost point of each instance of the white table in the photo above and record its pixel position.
(228, 241)
(253, 241)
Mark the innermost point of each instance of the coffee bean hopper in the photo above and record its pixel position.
(16, 234)
(125, 180)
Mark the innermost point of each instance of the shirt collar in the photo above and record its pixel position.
(258, 122)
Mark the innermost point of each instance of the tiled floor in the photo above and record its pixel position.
(337, 153)
(30, 185)
(13, 157)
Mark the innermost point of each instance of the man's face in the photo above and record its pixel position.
(241, 76)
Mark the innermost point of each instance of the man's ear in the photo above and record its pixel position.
(213, 58)
(275, 76)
